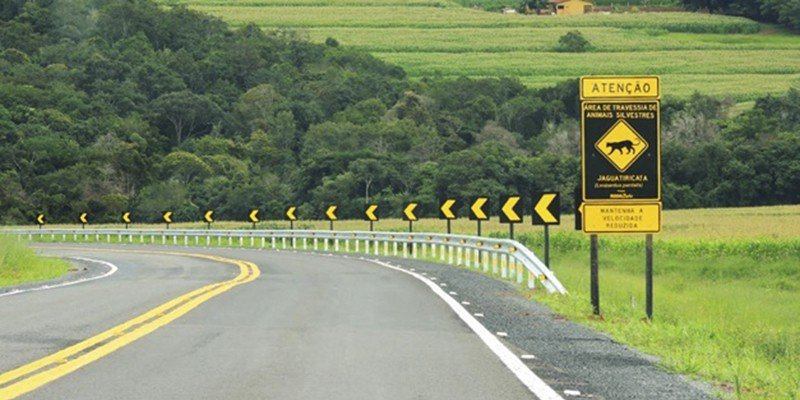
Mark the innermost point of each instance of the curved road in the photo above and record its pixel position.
(310, 327)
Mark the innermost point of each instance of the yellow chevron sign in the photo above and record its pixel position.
(331, 213)
(546, 211)
(369, 213)
(209, 216)
(84, 218)
(290, 213)
(126, 217)
(40, 219)
(168, 217)
(446, 209)
(253, 215)
(477, 211)
(511, 211)
(408, 212)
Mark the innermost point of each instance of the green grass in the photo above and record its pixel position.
(534, 40)
(728, 318)
(336, 15)
(19, 264)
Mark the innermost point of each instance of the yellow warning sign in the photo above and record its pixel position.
(618, 218)
(621, 145)
(620, 87)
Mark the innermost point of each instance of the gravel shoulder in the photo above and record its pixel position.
(570, 357)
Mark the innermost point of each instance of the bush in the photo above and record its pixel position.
(573, 42)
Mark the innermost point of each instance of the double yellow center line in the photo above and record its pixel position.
(28, 377)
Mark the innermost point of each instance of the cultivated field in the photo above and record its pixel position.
(713, 54)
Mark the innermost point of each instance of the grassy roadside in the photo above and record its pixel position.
(729, 316)
(19, 264)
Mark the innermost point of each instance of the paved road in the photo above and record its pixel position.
(310, 327)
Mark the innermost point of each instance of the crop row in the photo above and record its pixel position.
(459, 40)
(739, 87)
(572, 64)
(431, 17)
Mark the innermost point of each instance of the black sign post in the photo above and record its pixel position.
(448, 209)
(410, 214)
(478, 210)
(546, 212)
(511, 212)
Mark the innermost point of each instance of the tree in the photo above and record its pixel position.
(185, 167)
(259, 105)
(573, 42)
(186, 114)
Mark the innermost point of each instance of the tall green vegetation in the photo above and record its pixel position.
(19, 264)
(785, 12)
(114, 105)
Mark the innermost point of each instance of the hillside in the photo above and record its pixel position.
(713, 54)
(119, 105)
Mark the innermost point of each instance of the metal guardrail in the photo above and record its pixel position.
(504, 257)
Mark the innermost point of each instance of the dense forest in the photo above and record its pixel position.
(784, 12)
(109, 105)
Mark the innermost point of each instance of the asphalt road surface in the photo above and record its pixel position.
(309, 327)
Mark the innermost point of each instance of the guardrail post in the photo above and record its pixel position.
(424, 250)
(512, 268)
(174, 239)
(186, 241)
(414, 250)
(283, 243)
(294, 243)
(385, 247)
(450, 255)
(504, 266)
(433, 250)
(208, 241)
(531, 280)
(347, 245)
(315, 243)
(394, 248)
(336, 245)
(468, 258)
(325, 244)
(356, 242)
(405, 251)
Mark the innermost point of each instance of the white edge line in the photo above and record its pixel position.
(111, 270)
(535, 384)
